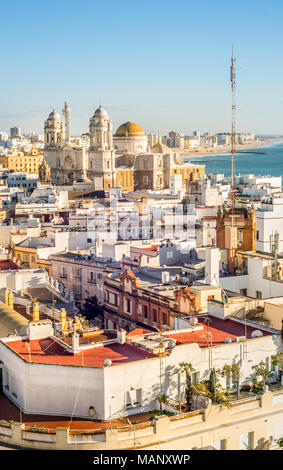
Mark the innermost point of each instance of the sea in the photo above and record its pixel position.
(268, 163)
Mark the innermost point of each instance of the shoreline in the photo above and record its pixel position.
(227, 149)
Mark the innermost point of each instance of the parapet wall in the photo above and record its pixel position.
(260, 417)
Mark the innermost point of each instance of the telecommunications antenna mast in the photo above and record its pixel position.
(233, 83)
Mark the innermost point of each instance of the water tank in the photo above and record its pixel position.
(193, 320)
(172, 343)
(107, 363)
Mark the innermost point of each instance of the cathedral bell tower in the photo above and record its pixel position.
(53, 130)
(101, 152)
(66, 111)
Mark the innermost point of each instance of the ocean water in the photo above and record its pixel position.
(270, 163)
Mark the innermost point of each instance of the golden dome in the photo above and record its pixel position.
(129, 129)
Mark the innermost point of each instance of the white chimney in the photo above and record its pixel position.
(75, 340)
(212, 266)
(121, 336)
(165, 277)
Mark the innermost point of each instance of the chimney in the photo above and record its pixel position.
(212, 266)
(75, 340)
(121, 336)
(35, 312)
(63, 320)
(11, 299)
(6, 296)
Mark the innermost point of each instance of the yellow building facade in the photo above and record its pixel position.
(27, 258)
(28, 163)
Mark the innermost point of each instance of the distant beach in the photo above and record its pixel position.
(227, 148)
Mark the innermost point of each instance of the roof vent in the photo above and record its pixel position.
(228, 340)
(165, 277)
(107, 363)
(256, 334)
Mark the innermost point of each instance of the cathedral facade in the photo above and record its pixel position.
(122, 160)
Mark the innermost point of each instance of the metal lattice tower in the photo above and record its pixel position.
(233, 83)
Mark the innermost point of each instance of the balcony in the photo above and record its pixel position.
(92, 281)
(63, 275)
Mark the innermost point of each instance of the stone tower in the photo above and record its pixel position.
(101, 166)
(66, 111)
(54, 130)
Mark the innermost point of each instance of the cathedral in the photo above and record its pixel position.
(123, 159)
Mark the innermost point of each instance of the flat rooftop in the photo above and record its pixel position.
(48, 351)
(9, 411)
(218, 330)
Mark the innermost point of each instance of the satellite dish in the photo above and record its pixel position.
(193, 320)
(107, 362)
(256, 334)
(228, 340)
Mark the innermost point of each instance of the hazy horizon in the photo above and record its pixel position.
(163, 65)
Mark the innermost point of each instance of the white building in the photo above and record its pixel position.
(269, 218)
(123, 375)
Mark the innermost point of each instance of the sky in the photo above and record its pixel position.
(163, 64)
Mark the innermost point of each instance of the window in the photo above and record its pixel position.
(247, 441)
(89, 240)
(220, 445)
(155, 315)
(145, 179)
(257, 235)
(164, 319)
(195, 378)
(145, 312)
(128, 306)
(169, 254)
(133, 397)
(240, 237)
(258, 294)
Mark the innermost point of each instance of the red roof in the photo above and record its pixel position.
(6, 264)
(138, 331)
(48, 351)
(218, 330)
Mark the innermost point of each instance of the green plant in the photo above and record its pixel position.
(246, 388)
(234, 371)
(160, 413)
(212, 389)
(263, 371)
(188, 369)
(212, 384)
(161, 399)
